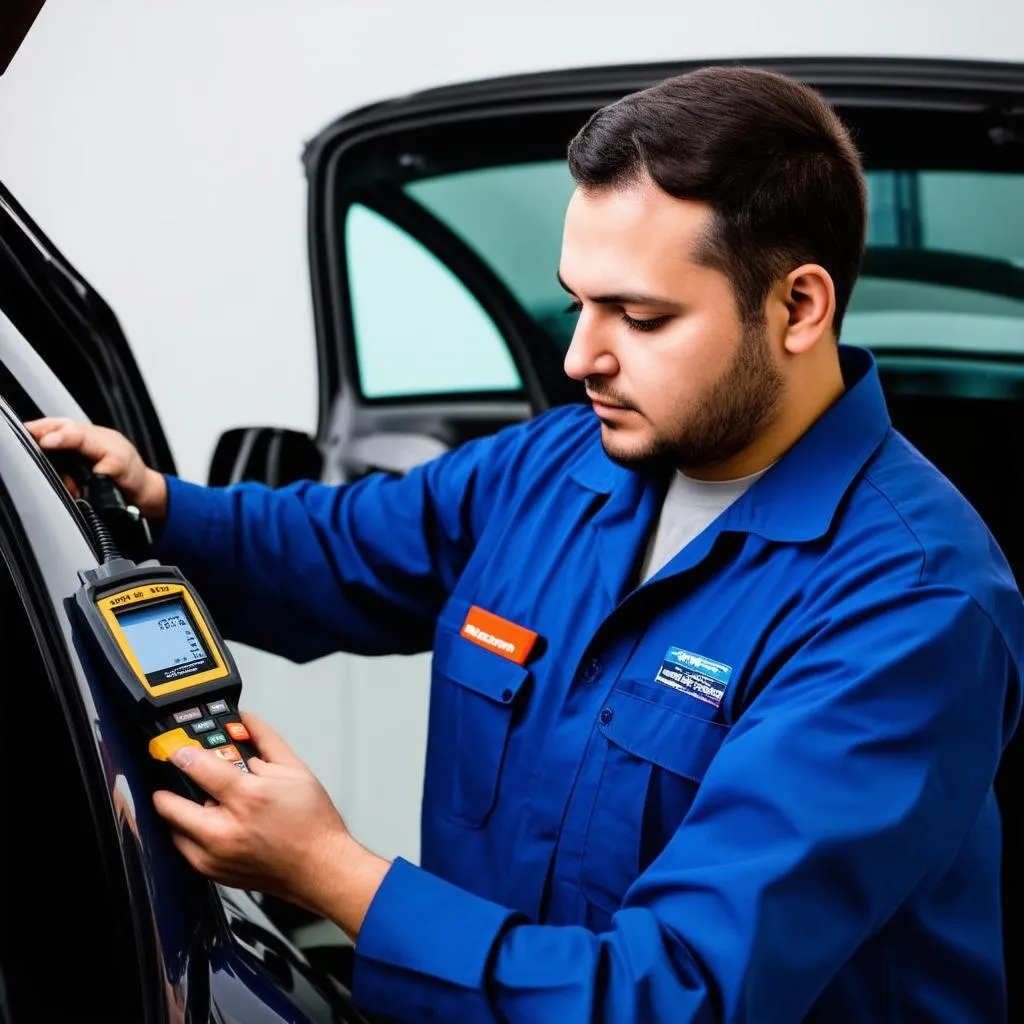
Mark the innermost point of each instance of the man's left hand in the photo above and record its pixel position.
(273, 829)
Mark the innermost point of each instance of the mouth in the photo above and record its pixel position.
(604, 405)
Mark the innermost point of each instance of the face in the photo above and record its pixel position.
(674, 374)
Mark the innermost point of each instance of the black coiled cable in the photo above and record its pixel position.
(108, 549)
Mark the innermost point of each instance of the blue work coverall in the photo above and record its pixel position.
(756, 788)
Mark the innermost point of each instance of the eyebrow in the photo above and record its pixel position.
(623, 298)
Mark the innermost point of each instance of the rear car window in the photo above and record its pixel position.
(944, 268)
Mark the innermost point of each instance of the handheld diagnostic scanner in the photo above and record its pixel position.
(155, 636)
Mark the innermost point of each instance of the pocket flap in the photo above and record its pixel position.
(476, 668)
(671, 739)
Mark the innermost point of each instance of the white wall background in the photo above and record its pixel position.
(158, 145)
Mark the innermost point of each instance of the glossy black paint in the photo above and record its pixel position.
(195, 949)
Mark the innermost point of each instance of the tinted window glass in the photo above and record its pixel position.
(945, 267)
(418, 329)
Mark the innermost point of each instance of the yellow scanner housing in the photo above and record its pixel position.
(145, 594)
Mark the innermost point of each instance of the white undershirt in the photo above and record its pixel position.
(689, 507)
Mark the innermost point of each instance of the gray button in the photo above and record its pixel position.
(607, 715)
(215, 739)
(204, 726)
(188, 715)
(218, 707)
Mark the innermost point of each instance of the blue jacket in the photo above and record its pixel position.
(756, 788)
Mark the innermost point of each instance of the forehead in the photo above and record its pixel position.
(636, 228)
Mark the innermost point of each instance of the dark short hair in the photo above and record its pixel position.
(767, 153)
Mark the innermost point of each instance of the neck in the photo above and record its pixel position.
(807, 397)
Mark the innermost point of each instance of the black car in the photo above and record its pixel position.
(461, 192)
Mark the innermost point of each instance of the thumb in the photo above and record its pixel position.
(269, 744)
(208, 771)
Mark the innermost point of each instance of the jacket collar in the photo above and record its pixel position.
(797, 498)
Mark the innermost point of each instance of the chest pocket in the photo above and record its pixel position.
(655, 757)
(474, 697)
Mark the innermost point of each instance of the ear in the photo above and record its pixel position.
(809, 296)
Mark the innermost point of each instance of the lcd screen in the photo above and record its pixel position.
(165, 641)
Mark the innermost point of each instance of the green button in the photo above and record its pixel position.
(215, 739)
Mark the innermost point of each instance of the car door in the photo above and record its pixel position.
(435, 224)
(145, 938)
(102, 919)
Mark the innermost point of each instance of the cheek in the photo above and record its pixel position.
(672, 368)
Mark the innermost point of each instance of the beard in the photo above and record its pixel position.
(723, 421)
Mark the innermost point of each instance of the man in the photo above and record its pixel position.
(723, 668)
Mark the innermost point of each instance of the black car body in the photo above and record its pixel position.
(121, 929)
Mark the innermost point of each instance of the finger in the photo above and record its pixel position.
(209, 866)
(191, 851)
(206, 865)
(271, 746)
(216, 777)
(271, 770)
(45, 425)
(84, 438)
(71, 484)
(186, 816)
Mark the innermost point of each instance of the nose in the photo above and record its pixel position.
(588, 355)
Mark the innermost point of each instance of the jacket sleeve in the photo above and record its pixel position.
(309, 569)
(852, 777)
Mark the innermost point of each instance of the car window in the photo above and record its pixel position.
(945, 263)
(400, 291)
(945, 266)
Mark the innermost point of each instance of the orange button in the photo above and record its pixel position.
(161, 747)
(228, 753)
(237, 731)
(496, 634)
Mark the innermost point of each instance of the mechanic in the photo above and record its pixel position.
(723, 668)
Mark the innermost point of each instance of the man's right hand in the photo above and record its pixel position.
(111, 454)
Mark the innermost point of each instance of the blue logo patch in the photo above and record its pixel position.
(695, 675)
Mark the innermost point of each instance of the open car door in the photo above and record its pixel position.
(435, 225)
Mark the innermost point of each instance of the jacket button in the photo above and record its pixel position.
(607, 715)
(591, 670)
(506, 695)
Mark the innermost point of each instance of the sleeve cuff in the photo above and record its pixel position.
(424, 948)
(194, 514)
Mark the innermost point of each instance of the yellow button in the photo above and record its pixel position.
(161, 747)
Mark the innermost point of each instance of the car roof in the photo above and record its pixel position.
(833, 73)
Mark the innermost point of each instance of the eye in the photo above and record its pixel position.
(644, 325)
(573, 307)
